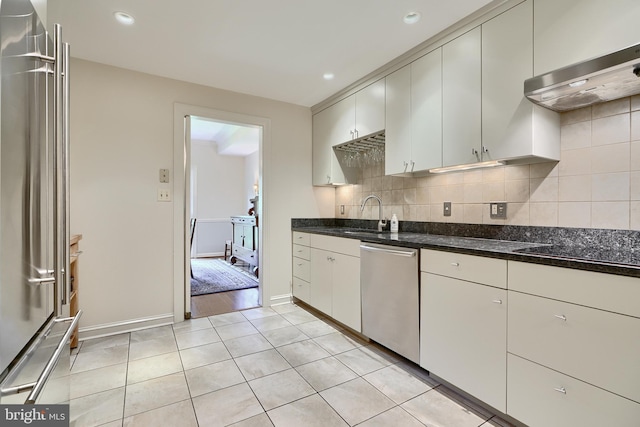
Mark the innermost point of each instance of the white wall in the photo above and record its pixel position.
(218, 194)
(121, 134)
(251, 175)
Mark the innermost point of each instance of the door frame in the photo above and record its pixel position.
(182, 194)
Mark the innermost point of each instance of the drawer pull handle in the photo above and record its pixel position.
(455, 264)
(561, 317)
(497, 301)
(561, 390)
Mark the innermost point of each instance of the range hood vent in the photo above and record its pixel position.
(609, 77)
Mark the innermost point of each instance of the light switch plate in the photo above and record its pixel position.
(164, 195)
(164, 175)
(498, 210)
(447, 209)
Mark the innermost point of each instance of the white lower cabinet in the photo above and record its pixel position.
(333, 281)
(463, 326)
(541, 397)
(574, 347)
(301, 266)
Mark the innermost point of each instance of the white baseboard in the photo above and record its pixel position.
(210, 255)
(280, 299)
(108, 329)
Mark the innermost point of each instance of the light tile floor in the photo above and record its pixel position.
(280, 366)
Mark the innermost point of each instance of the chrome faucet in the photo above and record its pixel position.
(381, 222)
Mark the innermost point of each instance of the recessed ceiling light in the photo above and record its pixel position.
(124, 18)
(328, 76)
(412, 17)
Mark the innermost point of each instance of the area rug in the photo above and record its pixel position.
(213, 275)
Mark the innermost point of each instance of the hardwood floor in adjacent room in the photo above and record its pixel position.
(223, 302)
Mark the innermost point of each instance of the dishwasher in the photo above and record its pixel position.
(390, 295)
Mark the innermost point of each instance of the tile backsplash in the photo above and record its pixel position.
(596, 183)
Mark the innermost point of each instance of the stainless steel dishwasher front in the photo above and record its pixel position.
(389, 280)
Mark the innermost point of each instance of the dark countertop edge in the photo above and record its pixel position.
(576, 264)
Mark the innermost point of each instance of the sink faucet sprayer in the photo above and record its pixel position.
(381, 222)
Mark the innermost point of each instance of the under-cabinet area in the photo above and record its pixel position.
(542, 345)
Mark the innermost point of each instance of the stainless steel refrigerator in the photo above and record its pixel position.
(34, 220)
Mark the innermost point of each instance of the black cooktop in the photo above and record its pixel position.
(609, 256)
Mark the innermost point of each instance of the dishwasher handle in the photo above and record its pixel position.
(408, 253)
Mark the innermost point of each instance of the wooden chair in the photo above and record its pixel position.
(193, 229)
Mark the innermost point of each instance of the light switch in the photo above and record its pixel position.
(164, 195)
(164, 175)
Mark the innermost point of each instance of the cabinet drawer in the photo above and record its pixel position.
(300, 251)
(300, 238)
(301, 289)
(619, 294)
(595, 346)
(488, 271)
(301, 269)
(339, 245)
(533, 399)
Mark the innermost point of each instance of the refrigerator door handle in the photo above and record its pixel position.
(41, 280)
(61, 181)
(51, 364)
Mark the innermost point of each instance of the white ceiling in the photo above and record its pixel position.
(276, 49)
(230, 139)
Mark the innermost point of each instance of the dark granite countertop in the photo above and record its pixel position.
(606, 251)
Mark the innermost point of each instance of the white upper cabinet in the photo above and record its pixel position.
(426, 111)
(356, 116)
(327, 125)
(397, 150)
(512, 126)
(369, 109)
(413, 138)
(462, 99)
(570, 31)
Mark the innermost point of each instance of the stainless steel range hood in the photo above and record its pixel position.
(609, 77)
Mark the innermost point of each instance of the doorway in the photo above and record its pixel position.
(224, 179)
(182, 195)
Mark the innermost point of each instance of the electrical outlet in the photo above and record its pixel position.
(164, 195)
(447, 209)
(498, 210)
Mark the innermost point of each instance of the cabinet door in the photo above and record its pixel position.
(238, 234)
(426, 111)
(397, 151)
(369, 112)
(463, 336)
(346, 291)
(570, 31)
(320, 288)
(248, 237)
(461, 99)
(507, 60)
(326, 167)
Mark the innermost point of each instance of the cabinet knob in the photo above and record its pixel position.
(455, 264)
(561, 317)
(561, 390)
(497, 301)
